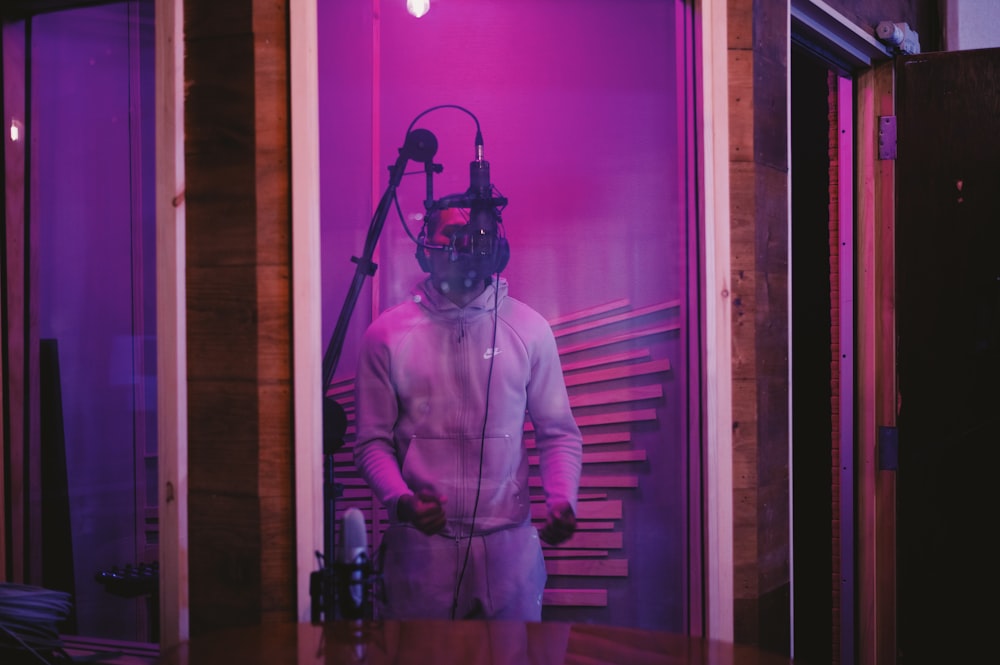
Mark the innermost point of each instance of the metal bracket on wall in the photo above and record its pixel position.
(887, 137)
(898, 36)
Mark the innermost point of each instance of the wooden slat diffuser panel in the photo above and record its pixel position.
(621, 480)
(586, 510)
(591, 568)
(576, 597)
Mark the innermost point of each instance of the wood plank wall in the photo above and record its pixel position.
(759, 191)
(241, 494)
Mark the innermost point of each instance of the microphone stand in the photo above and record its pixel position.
(323, 582)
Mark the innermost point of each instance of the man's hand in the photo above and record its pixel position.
(559, 525)
(423, 510)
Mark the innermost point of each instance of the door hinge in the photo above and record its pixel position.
(888, 448)
(887, 137)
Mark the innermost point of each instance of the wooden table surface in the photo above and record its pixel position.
(457, 643)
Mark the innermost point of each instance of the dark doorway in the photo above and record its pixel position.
(812, 429)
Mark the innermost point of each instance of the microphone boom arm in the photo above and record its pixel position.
(365, 268)
(322, 583)
(420, 145)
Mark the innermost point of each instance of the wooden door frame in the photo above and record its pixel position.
(871, 66)
(171, 310)
(876, 386)
(717, 361)
(306, 295)
(171, 325)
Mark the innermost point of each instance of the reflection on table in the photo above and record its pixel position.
(458, 643)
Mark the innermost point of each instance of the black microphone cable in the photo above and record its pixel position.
(489, 376)
(482, 447)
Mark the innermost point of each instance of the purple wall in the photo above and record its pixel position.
(578, 104)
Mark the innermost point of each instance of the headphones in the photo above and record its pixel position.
(490, 249)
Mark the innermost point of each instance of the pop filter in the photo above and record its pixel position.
(420, 146)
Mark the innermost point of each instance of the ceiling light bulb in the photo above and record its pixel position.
(418, 8)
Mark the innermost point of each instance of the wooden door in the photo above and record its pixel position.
(948, 331)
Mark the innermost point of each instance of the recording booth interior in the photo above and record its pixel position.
(578, 152)
(572, 141)
(585, 169)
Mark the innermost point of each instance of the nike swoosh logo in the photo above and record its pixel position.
(491, 353)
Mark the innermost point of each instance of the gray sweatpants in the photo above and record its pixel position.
(504, 577)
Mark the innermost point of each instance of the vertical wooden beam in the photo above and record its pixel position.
(273, 352)
(171, 324)
(885, 483)
(713, 125)
(758, 96)
(238, 242)
(876, 378)
(306, 314)
(885, 379)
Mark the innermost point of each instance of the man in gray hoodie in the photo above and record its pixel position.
(445, 383)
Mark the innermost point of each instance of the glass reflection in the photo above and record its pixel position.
(87, 83)
(583, 115)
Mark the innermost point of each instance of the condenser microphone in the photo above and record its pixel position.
(480, 243)
(484, 213)
(479, 172)
(480, 195)
(353, 566)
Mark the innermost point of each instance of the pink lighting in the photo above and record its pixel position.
(587, 143)
(418, 8)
